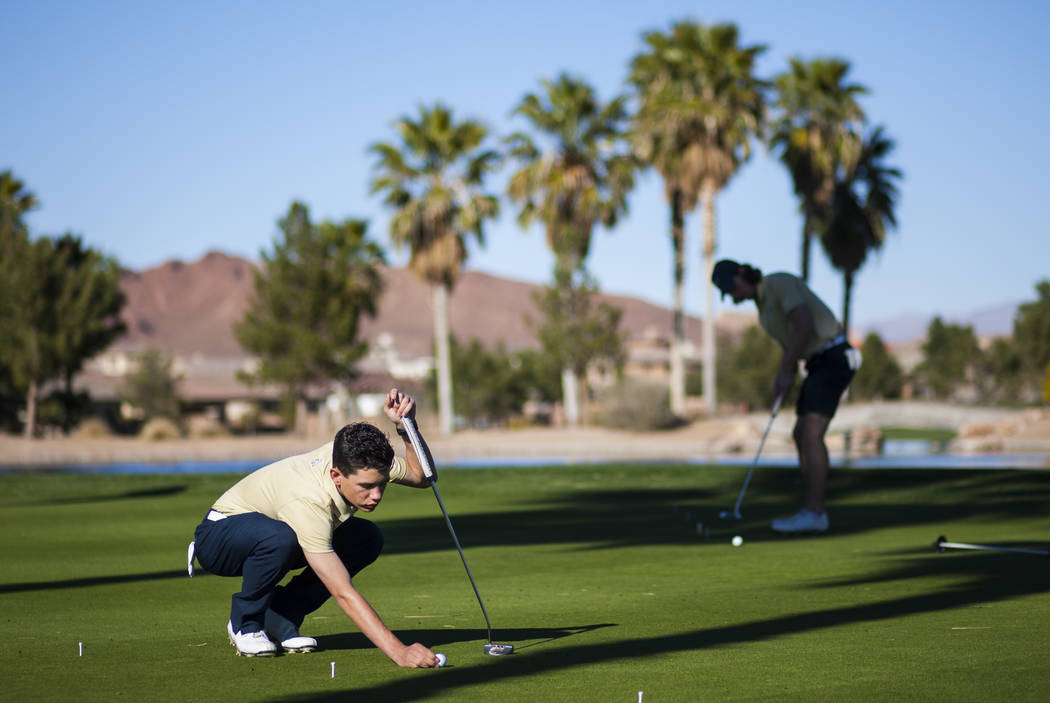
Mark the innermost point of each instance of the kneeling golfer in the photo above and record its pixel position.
(299, 512)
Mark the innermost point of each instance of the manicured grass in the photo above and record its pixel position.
(931, 434)
(597, 574)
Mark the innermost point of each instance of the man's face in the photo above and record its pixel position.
(742, 290)
(362, 489)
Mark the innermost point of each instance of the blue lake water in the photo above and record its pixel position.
(896, 454)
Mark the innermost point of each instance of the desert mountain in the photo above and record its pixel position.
(190, 309)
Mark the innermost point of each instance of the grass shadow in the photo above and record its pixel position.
(994, 578)
(436, 638)
(90, 581)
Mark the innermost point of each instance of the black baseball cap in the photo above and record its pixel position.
(723, 275)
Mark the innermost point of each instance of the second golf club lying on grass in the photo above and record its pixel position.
(492, 648)
(736, 508)
(942, 544)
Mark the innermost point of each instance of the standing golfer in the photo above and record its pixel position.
(806, 330)
(299, 512)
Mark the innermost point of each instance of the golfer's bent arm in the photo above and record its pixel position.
(336, 579)
(414, 475)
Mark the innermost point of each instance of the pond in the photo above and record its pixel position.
(896, 454)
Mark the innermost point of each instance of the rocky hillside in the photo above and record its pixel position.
(190, 309)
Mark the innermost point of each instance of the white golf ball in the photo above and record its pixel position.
(441, 658)
(737, 541)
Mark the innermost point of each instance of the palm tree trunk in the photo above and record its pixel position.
(847, 295)
(67, 421)
(847, 299)
(30, 428)
(444, 360)
(707, 195)
(807, 239)
(678, 323)
(300, 415)
(569, 389)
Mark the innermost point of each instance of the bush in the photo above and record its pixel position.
(636, 406)
(203, 427)
(159, 429)
(93, 428)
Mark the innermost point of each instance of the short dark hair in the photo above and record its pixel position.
(361, 445)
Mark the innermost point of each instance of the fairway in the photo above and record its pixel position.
(597, 574)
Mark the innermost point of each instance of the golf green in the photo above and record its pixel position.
(609, 580)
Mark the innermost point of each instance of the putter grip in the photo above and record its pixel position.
(776, 405)
(417, 444)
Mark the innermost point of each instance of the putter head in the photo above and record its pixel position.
(496, 650)
(726, 515)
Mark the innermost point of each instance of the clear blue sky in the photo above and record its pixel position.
(162, 130)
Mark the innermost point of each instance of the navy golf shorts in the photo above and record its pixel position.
(828, 376)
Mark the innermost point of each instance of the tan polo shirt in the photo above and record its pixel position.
(299, 491)
(780, 293)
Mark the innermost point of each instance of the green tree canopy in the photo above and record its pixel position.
(949, 355)
(310, 295)
(152, 388)
(700, 106)
(863, 208)
(576, 171)
(491, 386)
(880, 376)
(814, 132)
(1002, 376)
(433, 180)
(87, 310)
(748, 369)
(574, 329)
(1032, 328)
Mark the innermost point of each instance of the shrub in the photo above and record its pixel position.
(159, 429)
(203, 427)
(636, 406)
(93, 428)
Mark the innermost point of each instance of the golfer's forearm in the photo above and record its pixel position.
(367, 620)
(801, 331)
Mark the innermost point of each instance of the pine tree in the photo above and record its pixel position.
(310, 295)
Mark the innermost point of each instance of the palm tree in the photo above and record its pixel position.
(580, 179)
(863, 206)
(700, 104)
(15, 202)
(817, 118)
(433, 180)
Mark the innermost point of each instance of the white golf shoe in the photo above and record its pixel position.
(802, 521)
(281, 629)
(251, 644)
(299, 644)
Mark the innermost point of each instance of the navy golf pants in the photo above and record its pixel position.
(262, 551)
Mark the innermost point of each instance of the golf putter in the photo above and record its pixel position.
(490, 648)
(736, 508)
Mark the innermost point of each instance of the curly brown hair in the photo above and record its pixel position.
(361, 445)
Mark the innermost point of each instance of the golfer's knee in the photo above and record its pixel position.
(371, 542)
(358, 543)
(280, 543)
(810, 428)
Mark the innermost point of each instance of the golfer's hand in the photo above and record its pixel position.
(399, 405)
(782, 386)
(416, 656)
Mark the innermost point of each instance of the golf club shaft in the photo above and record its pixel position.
(963, 545)
(428, 471)
(769, 426)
